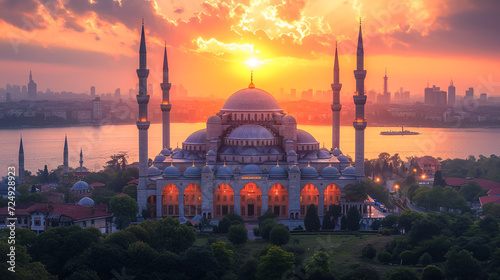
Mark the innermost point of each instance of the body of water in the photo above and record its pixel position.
(45, 145)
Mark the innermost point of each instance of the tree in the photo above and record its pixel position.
(124, 209)
(311, 221)
(275, 264)
(438, 179)
(461, 265)
(403, 273)
(248, 269)
(237, 234)
(356, 193)
(470, 191)
(117, 161)
(319, 262)
(406, 219)
(432, 272)
(223, 226)
(266, 227)
(407, 257)
(130, 190)
(369, 252)
(384, 257)
(169, 234)
(360, 272)
(343, 223)
(280, 235)
(199, 261)
(353, 218)
(425, 259)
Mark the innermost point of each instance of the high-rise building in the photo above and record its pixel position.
(483, 99)
(31, 88)
(451, 94)
(96, 110)
(435, 96)
(92, 92)
(469, 94)
(117, 93)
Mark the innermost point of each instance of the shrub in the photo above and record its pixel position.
(386, 232)
(369, 252)
(266, 227)
(384, 257)
(237, 234)
(407, 257)
(265, 216)
(280, 235)
(425, 259)
(311, 221)
(235, 217)
(223, 226)
(432, 272)
(256, 231)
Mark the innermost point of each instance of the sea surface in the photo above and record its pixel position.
(45, 145)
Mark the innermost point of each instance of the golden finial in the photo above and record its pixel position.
(193, 162)
(224, 162)
(251, 85)
(277, 162)
(308, 164)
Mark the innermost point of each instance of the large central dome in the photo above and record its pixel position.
(251, 99)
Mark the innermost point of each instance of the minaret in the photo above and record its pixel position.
(165, 105)
(336, 107)
(143, 123)
(21, 162)
(65, 159)
(360, 101)
(81, 160)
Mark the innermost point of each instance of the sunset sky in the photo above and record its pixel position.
(73, 44)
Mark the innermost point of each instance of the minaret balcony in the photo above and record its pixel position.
(336, 107)
(142, 73)
(142, 124)
(166, 107)
(165, 86)
(359, 124)
(359, 99)
(336, 87)
(143, 98)
(359, 74)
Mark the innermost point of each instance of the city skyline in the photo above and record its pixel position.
(95, 44)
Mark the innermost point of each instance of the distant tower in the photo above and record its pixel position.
(96, 110)
(336, 107)
(387, 94)
(360, 101)
(451, 94)
(31, 88)
(143, 123)
(92, 92)
(65, 158)
(21, 162)
(165, 105)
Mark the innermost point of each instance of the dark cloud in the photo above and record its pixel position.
(72, 24)
(179, 10)
(22, 14)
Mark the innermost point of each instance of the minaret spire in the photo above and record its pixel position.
(166, 106)
(360, 101)
(65, 157)
(251, 85)
(21, 161)
(143, 123)
(336, 106)
(81, 160)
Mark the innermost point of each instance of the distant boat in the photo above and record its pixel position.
(397, 132)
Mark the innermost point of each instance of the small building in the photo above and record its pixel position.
(429, 165)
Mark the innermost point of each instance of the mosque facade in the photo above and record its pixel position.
(250, 158)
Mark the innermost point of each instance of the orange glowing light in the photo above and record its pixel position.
(253, 62)
(397, 187)
(423, 176)
(414, 170)
(377, 180)
(165, 103)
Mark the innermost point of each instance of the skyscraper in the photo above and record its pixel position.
(143, 122)
(336, 107)
(451, 94)
(387, 95)
(31, 88)
(92, 92)
(360, 101)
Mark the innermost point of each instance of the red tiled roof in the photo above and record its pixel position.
(495, 192)
(21, 209)
(456, 182)
(76, 212)
(97, 184)
(427, 160)
(135, 181)
(485, 184)
(488, 199)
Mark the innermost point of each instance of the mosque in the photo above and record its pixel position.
(251, 158)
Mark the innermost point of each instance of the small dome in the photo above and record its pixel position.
(214, 119)
(211, 153)
(176, 150)
(171, 172)
(224, 172)
(160, 158)
(336, 152)
(295, 169)
(288, 119)
(309, 172)
(197, 137)
(80, 185)
(251, 169)
(165, 152)
(207, 169)
(250, 131)
(251, 99)
(154, 171)
(343, 158)
(349, 171)
(292, 153)
(330, 172)
(86, 201)
(278, 172)
(304, 137)
(192, 172)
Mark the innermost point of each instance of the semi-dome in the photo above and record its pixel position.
(165, 152)
(288, 119)
(80, 185)
(251, 169)
(192, 172)
(295, 169)
(250, 131)
(224, 172)
(171, 172)
(292, 153)
(336, 152)
(330, 172)
(211, 153)
(86, 201)
(154, 171)
(214, 119)
(309, 172)
(160, 158)
(304, 137)
(197, 137)
(343, 158)
(349, 171)
(277, 172)
(251, 99)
